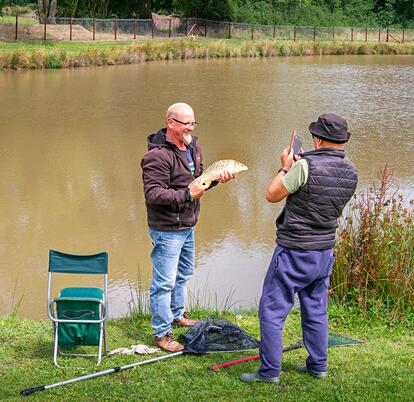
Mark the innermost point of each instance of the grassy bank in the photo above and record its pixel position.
(380, 369)
(37, 55)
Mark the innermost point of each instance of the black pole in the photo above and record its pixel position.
(17, 25)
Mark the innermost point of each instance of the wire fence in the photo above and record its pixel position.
(94, 29)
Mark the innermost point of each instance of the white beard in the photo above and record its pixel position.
(187, 139)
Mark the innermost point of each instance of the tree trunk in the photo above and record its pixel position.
(47, 10)
(52, 11)
(42, 10)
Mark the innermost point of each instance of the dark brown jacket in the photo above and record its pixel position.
(166, 176)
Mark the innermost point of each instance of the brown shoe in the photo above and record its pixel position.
(167, 343)
(184, 322)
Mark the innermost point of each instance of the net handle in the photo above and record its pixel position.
(254, 357)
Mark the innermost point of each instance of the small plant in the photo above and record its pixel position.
(375, 251)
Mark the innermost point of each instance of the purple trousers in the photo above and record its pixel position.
(307, 273)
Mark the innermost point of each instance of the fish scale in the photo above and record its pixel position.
(215, 170)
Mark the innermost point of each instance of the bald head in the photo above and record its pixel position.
(178, 109)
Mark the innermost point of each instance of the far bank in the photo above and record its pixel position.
(41, 55)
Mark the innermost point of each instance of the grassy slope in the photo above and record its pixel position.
(382, 369)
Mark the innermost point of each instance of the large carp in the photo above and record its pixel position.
(214, 171)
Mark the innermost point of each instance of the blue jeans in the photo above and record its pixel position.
(172, 266)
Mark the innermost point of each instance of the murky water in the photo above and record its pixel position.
(71, 142)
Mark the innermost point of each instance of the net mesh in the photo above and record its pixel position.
(216, 334)
(341, 340)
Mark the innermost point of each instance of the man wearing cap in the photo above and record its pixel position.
(317, 187)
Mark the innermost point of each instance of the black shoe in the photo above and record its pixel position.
(313, 373)
(256, 377)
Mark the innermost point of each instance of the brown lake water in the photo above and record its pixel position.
(71, 143)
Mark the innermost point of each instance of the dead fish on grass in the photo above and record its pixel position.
(214, 171)
(139, 349)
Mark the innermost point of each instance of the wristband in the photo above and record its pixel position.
(282, 169)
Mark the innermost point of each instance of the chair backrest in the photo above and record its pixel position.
(78, 264)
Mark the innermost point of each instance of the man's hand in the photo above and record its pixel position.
(227, 176)
(286, 158)
(197, 190)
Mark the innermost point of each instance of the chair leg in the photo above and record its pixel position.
(104, 334)
(55, 348)
(100, 344)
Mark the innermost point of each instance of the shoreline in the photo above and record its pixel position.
(52, 55)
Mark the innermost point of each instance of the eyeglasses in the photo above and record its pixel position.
(193, 124)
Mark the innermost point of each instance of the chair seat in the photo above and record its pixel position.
(90, 293)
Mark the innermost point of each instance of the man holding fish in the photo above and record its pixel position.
(172, 192)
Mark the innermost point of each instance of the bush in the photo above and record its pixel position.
(375, 250)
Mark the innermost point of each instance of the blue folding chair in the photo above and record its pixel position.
(79, 313)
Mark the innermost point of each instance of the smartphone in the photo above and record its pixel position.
(295, 142)
(297, 145)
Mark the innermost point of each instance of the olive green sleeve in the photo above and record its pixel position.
(296, 177)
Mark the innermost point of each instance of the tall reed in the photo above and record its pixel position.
(375, 250)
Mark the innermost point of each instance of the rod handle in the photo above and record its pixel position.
(232, 363)
(29, 391)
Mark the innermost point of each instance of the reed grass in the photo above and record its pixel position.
(374, 268)
(26, 55)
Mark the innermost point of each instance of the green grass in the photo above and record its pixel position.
(34, 55)
(22, 20)
(381, 369)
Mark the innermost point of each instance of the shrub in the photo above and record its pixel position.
(375, 250)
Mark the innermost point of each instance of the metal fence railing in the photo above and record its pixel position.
(90, 29)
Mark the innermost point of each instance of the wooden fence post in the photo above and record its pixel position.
(314, 34)
(274, 31)
(402, 40)
(94, 29)
(44, 28)
(294, 33)
(70, 28)
(152, 29)
(115, 27)
(252, 31)
(229, 30)
(366, 34)
(352, 34)
(205, 29)
(17, 27)
(387, 38)
(379, 35)
(333, 33)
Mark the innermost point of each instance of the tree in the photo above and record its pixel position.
(47, 11)
(210, 9)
